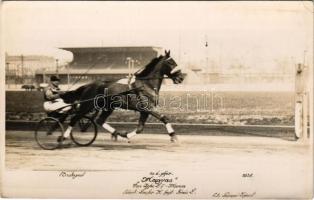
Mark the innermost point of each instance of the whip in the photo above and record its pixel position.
(81, 75)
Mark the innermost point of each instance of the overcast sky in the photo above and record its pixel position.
(252, 33)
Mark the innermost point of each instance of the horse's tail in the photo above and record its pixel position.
(78, 92)
(85, 91)
(73, 95)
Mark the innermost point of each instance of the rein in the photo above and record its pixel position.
(152, 78)
(81, 75)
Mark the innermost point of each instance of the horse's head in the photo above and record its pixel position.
(171, 69)
(159, 67)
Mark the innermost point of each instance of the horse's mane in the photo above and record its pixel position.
(149, 67)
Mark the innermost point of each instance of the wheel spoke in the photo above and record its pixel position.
(85, 132)
(47, 133)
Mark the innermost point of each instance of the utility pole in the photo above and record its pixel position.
(128, 60)
(132, 66)
(44, 75)
(8, 73)
(207, 66)
(301, 101)
(22, 66)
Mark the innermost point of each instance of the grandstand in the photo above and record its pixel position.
(100, 63)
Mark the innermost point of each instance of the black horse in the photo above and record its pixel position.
(141, 96)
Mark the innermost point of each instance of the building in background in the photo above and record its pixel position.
(213, 73)
(113, 63)
(100, 63)
(20, 69)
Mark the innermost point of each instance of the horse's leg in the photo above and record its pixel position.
(141, 122)
(162, 118)
(140, 126)
(165, 120)
(86, 93)
(145, 108)
(72, 123)
(101, 120)
(84, 109)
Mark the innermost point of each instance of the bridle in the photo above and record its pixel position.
(154, 76)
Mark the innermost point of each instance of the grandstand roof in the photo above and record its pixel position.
(83, 71)
(111, 49)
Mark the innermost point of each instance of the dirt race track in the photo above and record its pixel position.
(266, 158)
(22, 152)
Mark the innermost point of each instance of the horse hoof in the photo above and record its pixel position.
(174, 139)
(123, 134)
(114, 137)
(296, 138)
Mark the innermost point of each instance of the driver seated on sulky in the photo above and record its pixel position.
(54, 104)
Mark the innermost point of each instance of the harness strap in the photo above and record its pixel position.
(151, 78)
